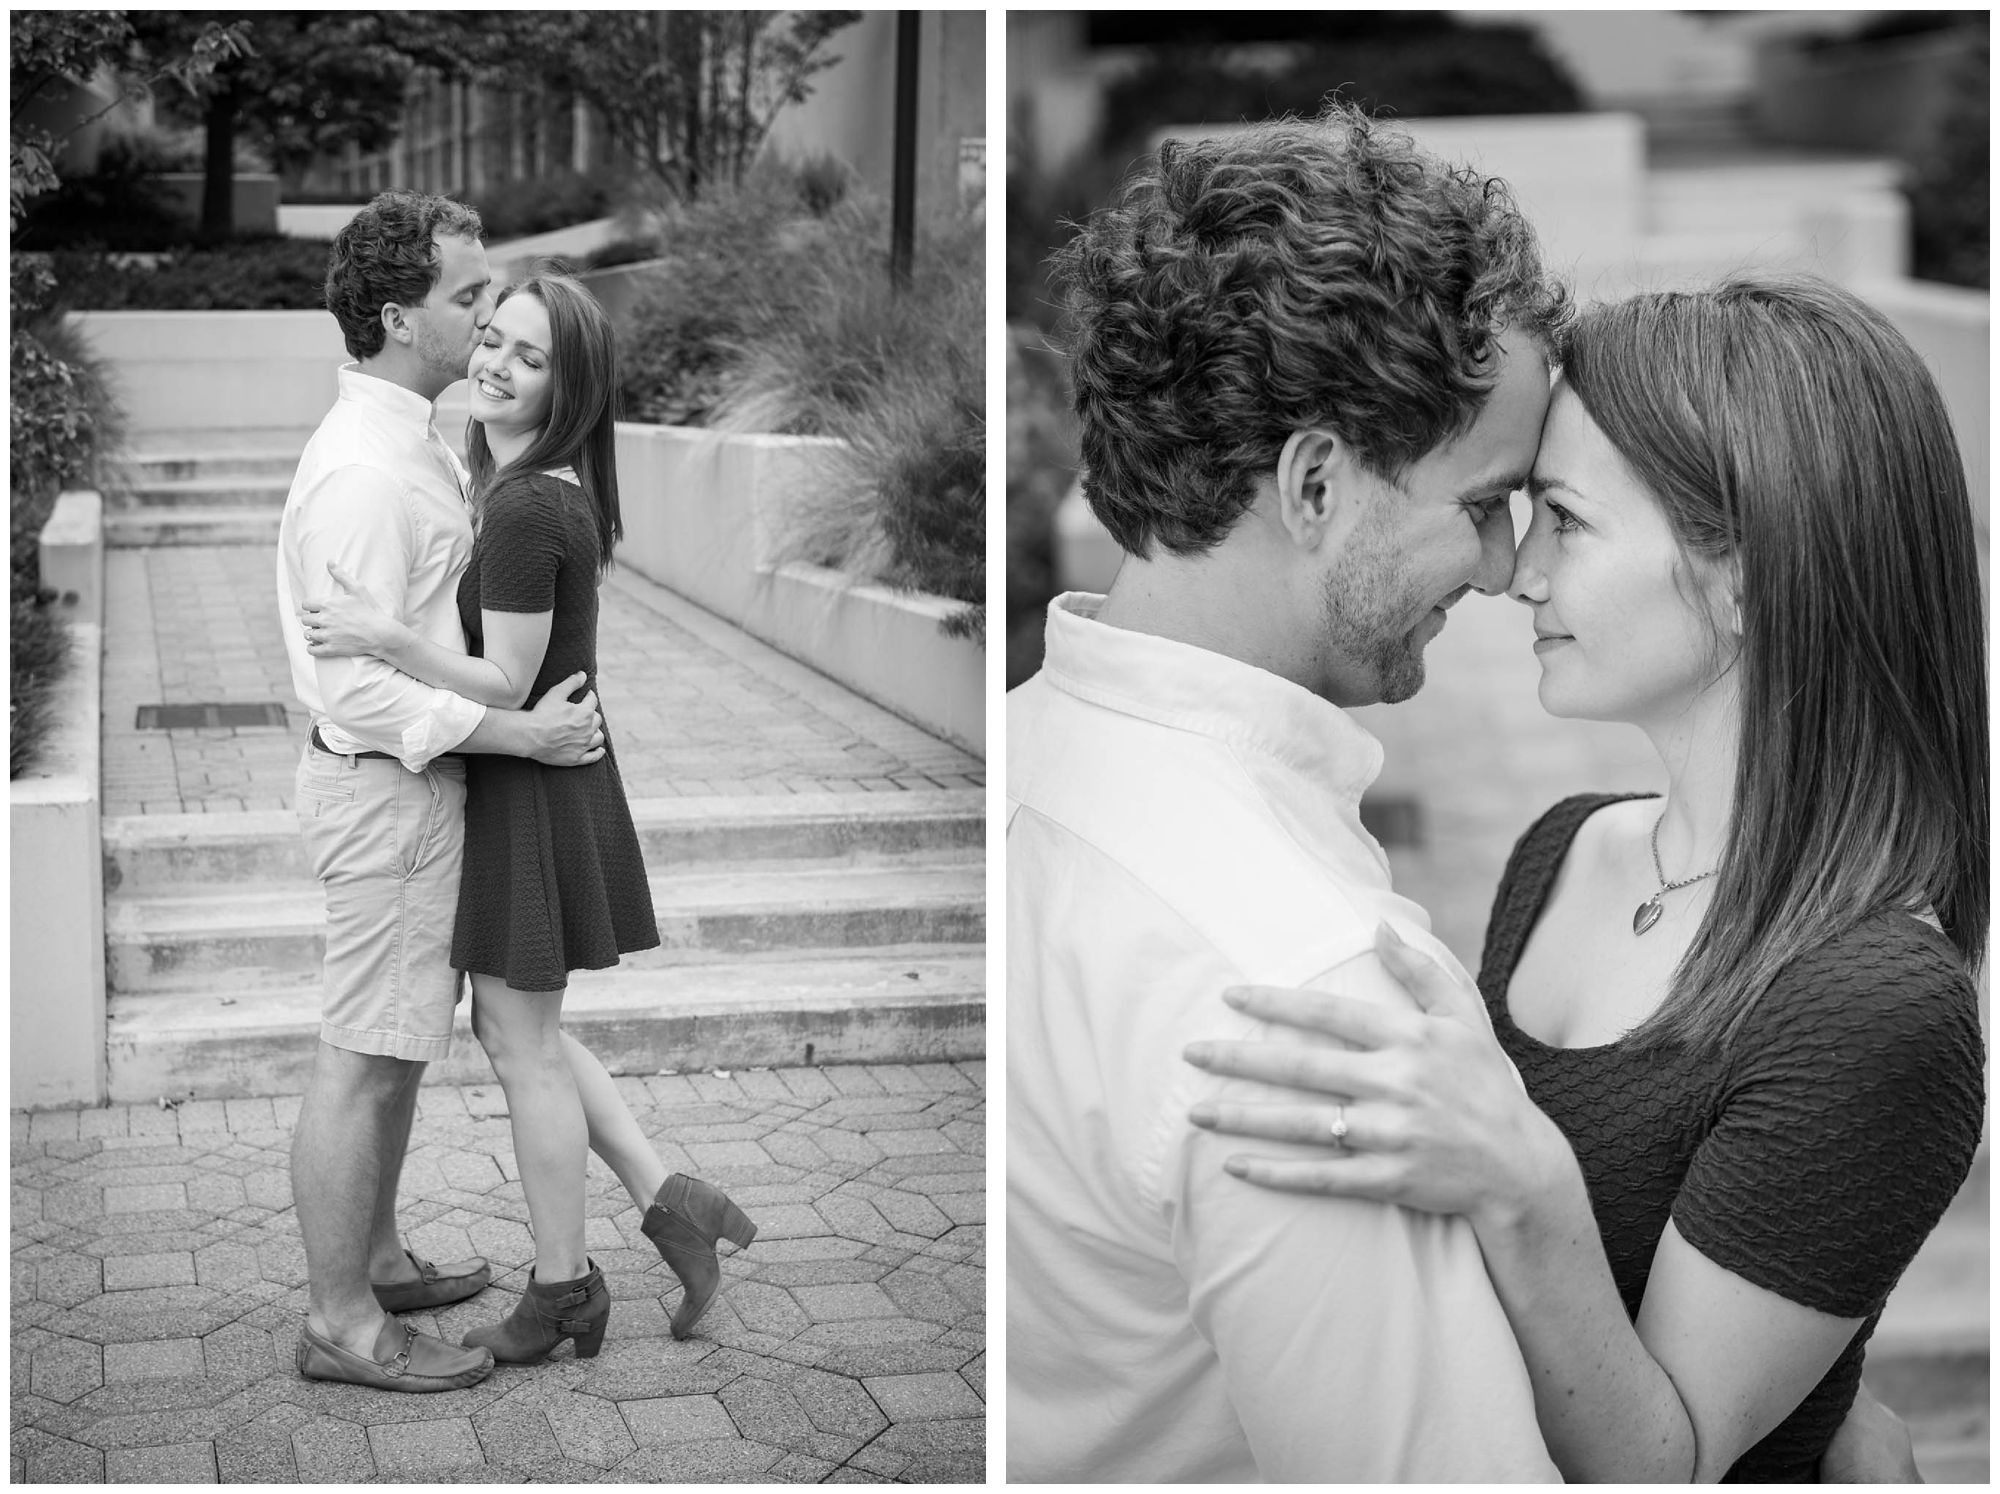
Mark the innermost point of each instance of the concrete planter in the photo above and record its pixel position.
(56, 1025)
(703, 515)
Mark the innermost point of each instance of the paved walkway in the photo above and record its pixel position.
(695, 706)
(158, 1288)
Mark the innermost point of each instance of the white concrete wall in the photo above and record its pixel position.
(1613, 227)
(313, 220)
(703, 515)
(56, 1005)
(177, 374)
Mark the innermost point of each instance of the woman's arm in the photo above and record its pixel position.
(350, 621)
(1435, 1119)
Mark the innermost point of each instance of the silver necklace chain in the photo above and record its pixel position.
(1648, 913)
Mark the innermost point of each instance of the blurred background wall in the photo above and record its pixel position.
(1651, 149)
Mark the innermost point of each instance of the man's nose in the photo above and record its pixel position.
(1496, 555)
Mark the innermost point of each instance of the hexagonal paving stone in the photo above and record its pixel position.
(683, 1418)
(176, 1463)
(937, 1397)
(419, 1451)
(157, 1360)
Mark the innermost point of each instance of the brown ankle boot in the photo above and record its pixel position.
(545, 1316)
(685, 1221)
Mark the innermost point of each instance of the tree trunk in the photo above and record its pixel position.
(694, 144)
(218, 188)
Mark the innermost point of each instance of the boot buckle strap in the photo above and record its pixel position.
(576, 1325)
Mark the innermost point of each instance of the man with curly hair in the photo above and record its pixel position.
(380, 790)
(1310, 365)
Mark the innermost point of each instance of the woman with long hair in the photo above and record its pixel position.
(553, 879)
(1743, 1012)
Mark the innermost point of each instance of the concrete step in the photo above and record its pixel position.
(910, 1005)
(271, 939)
(182, 493)
(276, 465)
(182, 853)
(200, 442)
(151, 528)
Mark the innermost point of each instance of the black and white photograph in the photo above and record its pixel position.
(1496, 747)
(498, 738)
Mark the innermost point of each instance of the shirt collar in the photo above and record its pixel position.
(405, 406)
(1194, 689)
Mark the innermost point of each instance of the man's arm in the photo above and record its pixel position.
(1360, 1342)
(357, 518)
(358, 522)
(559, 732)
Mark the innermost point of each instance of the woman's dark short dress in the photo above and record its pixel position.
(553, 878)
(1811, 1156)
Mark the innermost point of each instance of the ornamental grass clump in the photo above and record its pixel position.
(899, 376)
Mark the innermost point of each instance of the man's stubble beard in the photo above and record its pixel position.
(1360, 607)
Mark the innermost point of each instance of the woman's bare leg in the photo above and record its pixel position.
(522, 1035)
(614, 1133)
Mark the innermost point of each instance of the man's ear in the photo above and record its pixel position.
(396, 324)
(1308, 482)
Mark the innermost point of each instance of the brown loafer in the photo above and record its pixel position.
(404, 1360)
(436, 1286)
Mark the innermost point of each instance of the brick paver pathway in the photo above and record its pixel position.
(158, 1289)
(695, 706)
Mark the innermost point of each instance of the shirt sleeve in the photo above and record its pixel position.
(522, 541)
(357, 519)
(1360, 1342)
(1851, 1122)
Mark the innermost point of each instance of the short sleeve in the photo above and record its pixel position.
(522, 541)
(1849, 1125)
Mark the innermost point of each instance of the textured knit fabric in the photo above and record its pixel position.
(1811, 1156)
(553, 880)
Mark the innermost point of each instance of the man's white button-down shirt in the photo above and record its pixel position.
(379, 493)
(1179, 822)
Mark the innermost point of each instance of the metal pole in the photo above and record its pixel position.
(903, 191)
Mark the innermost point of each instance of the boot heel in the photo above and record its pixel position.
(737, 1227)
(587, 1344)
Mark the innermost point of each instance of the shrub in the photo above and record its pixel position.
(541, 204)
(61, 420)
(1042, 462)
(732, 257)
(274, 273)
(1446, 69)
(766, 318)
(1950, 205)
(900, 376)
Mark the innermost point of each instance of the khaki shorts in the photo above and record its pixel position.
(387, 845)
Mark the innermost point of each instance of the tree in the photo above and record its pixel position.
(53, 48)
(303, 82)
(688, 95)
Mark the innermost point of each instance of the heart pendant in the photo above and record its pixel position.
(1646, 915)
